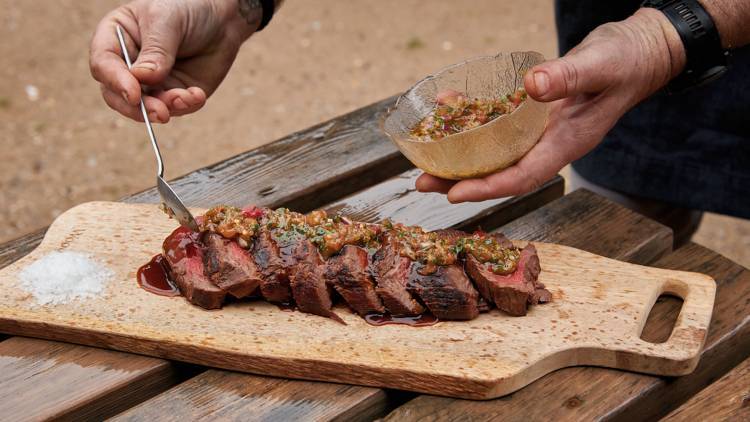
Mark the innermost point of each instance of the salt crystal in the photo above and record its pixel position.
(60, 277)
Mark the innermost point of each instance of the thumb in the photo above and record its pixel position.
(579, 72)
(160, 41)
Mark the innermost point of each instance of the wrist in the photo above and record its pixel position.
(663, 42)
(239, 26)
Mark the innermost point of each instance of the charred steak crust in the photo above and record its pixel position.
(511, 293)
(532, 269)
(348, 273)
(391, 272)
(274, 285)
(309, 287)
(447, 293)
(230, 267)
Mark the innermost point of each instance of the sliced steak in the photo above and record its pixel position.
(348, 273)
(483, 305)
(274, 285)
(184, 254)
(391, 272)
(511, 293)
(229, 266)
(447, 293)
(307, 279)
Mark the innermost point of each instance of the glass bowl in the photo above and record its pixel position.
(482, 150)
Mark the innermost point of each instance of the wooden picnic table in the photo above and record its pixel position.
(346, 164)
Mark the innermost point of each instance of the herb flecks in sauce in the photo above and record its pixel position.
(331, 233)
(231, 223)
(454, 112)
(436, 249)
(487, 249)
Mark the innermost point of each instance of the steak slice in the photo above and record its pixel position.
(347, 272)
(184, 254)
(511, 293)
(307, 279)
(483, 305)
(274, 285)
(391, 272)
(447, 293)
(229, 266)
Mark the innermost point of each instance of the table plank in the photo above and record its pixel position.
(612, 219)
(597, 393)
(590, 222)
(445, 215)
(34, 372)
(727, 399)
(398, 200)
(15, 249)
(234, 396)
(302, 171)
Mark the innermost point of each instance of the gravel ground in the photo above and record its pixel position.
(62, 145)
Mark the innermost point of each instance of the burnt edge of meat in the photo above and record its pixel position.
(511, 293)
(447, 293)
(348, 273)
(391, 272)
(229, 266)
(274, 285)
(307, 278)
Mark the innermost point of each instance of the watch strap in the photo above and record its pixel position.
(269, 7)
(706, 60)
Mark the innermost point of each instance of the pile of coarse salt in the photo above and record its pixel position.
(60, 277)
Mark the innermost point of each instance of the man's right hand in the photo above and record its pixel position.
(184, 50)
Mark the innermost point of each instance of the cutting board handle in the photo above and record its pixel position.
(679, 354)
(692, 322)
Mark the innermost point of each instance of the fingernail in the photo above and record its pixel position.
(153, 116)
(125, 96)
(147, 66)
(179, 104)
(541, 80)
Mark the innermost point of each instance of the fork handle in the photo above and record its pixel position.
(144, 112)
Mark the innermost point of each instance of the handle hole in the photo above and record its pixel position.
(662, 318)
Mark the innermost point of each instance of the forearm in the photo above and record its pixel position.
(731, 18)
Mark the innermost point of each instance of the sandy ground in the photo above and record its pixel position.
(61, 145)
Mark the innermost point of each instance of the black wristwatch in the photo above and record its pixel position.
(706, 60)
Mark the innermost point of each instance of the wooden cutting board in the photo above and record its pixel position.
(599, 308)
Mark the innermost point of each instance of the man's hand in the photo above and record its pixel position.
(617, 66)
(184, 48)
